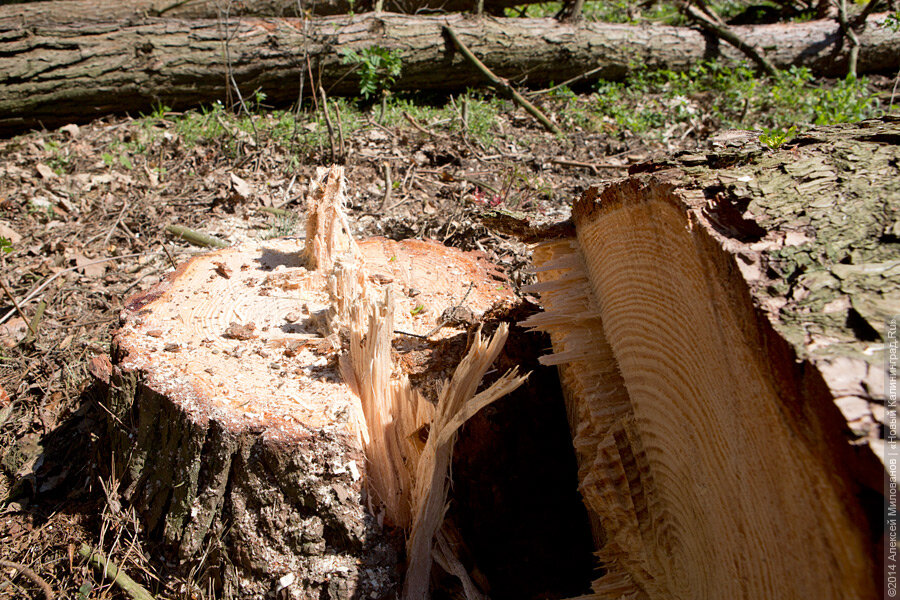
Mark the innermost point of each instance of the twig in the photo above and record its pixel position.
(412, 121)
(35, 324)
(327, 121)
(501, 84)
(848, 32)
(50, 279)
(195, 237)
(444, 321)
(860, 19)
(115, 224)
(34, 577)
(587, 165)
(378, 125)
(278, 212)
(337, 113)
(169, 255)
(18, 308)
(566, 82)
(113, 573)
(387, 186)
(723, 31)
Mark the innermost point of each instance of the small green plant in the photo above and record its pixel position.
(159, 111)
(775, 138)
(59, 159)
(892, 21)
(5, 245)
(284, 225)
(378, 68)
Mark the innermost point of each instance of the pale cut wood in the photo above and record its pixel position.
(235, 399)
(705, 406)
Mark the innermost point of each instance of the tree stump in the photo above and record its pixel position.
(237, 438)
(712, 317)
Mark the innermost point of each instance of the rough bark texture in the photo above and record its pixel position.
(75, 11)
(53, 74)
(718, 321)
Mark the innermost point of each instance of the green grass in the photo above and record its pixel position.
(308, 132)
(481, 110)
(658, 105)
(649, 102)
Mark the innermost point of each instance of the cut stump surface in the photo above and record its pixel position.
(236, 435)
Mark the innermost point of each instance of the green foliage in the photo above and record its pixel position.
(378, 68)
(5, 245)
(892, 21)
(729, 97)
(775, 138)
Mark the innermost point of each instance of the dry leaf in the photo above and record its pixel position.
(241, 187)
(9, 233)
(72, 129)
(12, 332)
(45, 172)
(85, 266)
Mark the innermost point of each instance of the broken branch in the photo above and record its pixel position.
(501, 84)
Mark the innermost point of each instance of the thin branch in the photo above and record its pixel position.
(328, 121)
(34, 577)
(111, 571)
(848, 32)
(412, 121)
(18, 308)
(723, 31)
(340, 124)
(584, 75)
(387, 185)
(195, 237)
(501, 84)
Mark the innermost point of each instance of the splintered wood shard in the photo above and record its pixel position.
(458, 402)
(264, 385)
(327, 230)
(410, 480)
(713, 457)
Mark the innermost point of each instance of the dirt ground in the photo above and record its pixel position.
(88, 229)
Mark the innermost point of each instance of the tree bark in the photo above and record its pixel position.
(719, 321)
(260, 424)
(75, 11)
(53, 74)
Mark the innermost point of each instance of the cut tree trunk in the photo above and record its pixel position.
(75, 11)
(53, 74)
(260, 423)
(712, 318)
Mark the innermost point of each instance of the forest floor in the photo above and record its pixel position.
(83, 217)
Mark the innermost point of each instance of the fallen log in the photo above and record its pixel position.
(52, 74)
(719, 322)
(262, 422)
(75, 11)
